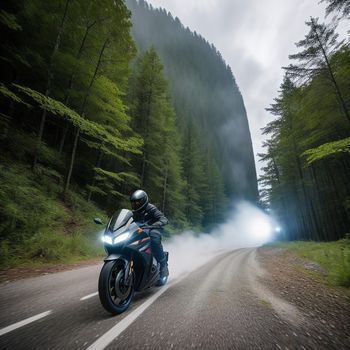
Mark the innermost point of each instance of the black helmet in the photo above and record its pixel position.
(139, 200)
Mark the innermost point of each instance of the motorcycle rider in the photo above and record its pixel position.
(147, 213)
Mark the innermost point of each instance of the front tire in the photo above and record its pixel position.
(114, 295)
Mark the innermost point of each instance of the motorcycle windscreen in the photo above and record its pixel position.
(122, 217)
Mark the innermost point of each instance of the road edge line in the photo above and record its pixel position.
(107, 338)
(24, 322)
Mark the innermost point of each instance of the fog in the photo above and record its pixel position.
(246, 226)
(204, 93)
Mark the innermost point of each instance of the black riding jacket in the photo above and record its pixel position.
(151, 216)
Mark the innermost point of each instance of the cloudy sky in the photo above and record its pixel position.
(255, 38)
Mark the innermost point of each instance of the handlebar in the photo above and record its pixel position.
(144, 227)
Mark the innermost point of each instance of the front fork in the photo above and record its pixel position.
(129, 268)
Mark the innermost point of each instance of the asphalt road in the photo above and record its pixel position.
(221, 305)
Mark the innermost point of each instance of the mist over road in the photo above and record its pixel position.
(219, 305)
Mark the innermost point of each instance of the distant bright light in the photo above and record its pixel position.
(261, 228)
(278, 229)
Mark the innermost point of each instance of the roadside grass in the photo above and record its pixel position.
(333, 257)
(37, 227)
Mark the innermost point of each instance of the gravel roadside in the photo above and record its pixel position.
(326, 309)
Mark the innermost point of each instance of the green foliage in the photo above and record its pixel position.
(83, 123)
(72, 85)
(11, 95)
(90, 128)
(108, 182)
(53, 247)
(327, 150)
(305, 180)
(24, 206)
(9, 20)
(159, 166)
(181, 176)
(36, 224)
(334, 6)
(117, 177)
(195, 176)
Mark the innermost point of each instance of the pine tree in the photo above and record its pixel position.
(319, 45)
(306, 157)
(342, 6)
(159, 167)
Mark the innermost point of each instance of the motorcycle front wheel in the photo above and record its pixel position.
(115, 295)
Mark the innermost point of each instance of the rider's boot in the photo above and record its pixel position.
(164, 271)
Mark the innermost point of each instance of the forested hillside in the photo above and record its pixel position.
(206, 98)
(307, 173)
(86, 118)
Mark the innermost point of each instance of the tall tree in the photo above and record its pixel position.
(307, 156)
(50, 74)
(159, 167)
(318, 47)
(342, 6)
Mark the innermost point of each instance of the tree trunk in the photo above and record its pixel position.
(284, 207)
(341, 224)
(146, 125)
(71, 83)
(63, 137)
(98, 165)
(82, 111)
(70, 170)
(165, 187)
(49, 80)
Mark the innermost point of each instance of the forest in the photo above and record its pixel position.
(96, 102)
(206, 98)
(90, 112)
(306, 180)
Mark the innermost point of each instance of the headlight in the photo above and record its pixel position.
(107, 239)
(121, 238)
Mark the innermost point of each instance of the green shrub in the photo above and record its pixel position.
(25, 206)
(52, 247)
(36, 225)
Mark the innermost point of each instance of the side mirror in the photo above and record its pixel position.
(98, 221)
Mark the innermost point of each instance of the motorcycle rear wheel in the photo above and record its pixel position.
(114, 295)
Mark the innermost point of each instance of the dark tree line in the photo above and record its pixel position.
(306, 180)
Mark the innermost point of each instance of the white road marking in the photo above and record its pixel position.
(115, 331)
(24, 322)
(121, 326)
(89, 296)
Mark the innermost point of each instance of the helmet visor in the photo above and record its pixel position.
(135, 205)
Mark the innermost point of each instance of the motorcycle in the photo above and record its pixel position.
(130, 265)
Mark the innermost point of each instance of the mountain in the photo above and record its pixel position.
(205, 94)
